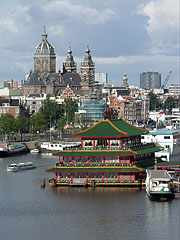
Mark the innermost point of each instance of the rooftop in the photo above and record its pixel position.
(111, 128)
(94, 169)
(158, 174)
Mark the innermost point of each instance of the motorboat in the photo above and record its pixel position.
(158, 184)
(35, 150)
(14, 167)
(48, 147)
(11, 150)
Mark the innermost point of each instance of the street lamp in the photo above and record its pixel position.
(50, 129)
(60, 133)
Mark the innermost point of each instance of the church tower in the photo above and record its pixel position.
(69, 65)
(87, 71)
(44, 58)
(125, 81)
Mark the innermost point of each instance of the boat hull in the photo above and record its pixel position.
(160, 195)
(20, 167)
(14, 150)
(4, 154)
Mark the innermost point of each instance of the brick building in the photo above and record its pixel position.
(10, 106)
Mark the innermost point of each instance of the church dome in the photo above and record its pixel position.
(44, 48)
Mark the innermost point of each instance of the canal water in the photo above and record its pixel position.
(28, 212)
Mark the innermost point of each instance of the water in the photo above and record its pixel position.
(28, 212)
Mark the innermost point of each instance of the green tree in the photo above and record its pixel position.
(60, 124)
(70, 107)
(51, 112)
(154, 101)
(169, 103)
(22, 124)
(8, 124)
(38, 122)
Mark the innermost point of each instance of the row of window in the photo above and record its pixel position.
(91, 175)
(165, 137)
(7, 110)
(95, 159)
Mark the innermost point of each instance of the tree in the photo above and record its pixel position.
(51, 112)
(70, 107)
(38, 122)
(60, 123)
(7, 124)
(22, 123)
(169, 103)
(154, 101)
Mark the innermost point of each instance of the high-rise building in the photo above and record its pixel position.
(150, 80)
(101, 78)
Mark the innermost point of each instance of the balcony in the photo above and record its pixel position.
(93, 164)
(132, 146)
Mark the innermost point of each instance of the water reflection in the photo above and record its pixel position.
(29, 212)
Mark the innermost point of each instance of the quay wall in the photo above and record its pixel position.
(30, 145)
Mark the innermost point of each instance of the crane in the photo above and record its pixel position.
(166, 80)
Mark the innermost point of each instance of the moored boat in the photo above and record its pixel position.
(35, 150)
(48, 147)
(11, 150)
(14, 167)
(158, 185)
(3, 150)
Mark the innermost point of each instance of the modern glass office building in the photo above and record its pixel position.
(150, 80)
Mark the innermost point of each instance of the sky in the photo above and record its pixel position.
(124, 36)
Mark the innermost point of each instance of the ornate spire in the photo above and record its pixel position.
(87, 58)
(44, 34)
(69, 50)
(125, 81)
(69, 65)
(87, 50)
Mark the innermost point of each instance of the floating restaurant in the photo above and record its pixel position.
(111, 154)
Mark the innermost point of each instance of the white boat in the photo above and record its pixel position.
(35, 150)
(158, 184)
(14, 167)
(53, 147)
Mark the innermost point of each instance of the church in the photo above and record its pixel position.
(45, 79)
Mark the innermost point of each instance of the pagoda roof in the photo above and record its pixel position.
(94, 169)
(94, 153)
(168, 164)
(148, 150)
(107, 153)
(111, 128)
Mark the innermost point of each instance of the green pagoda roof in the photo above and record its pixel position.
(94, 153)
(94, 169)
(168, 164)
(148, 150)
(111, 128)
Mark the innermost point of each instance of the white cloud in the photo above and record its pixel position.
(12, 23)
(162, 25)
(142, 59)
(55, 30)
(79, 12)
